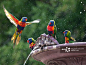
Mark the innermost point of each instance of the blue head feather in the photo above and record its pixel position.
(51, 23)
(30, 40)
(23, 19)
(65, 32)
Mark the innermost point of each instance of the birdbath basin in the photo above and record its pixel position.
(51, 52)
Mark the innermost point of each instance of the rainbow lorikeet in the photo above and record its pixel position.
(31, 42)
(68, 38)
(20, 25)
(51, 28)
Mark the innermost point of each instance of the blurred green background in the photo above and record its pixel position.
(68, 15)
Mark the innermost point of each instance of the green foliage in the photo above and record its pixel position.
(68, 15)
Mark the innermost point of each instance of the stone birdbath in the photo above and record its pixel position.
(50, 52)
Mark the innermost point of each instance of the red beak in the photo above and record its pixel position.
(63, 32)
(25, 19)
(50, 23)
(28, 41)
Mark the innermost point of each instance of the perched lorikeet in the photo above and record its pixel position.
(51, 28)
(68, 38)
(31, 42)
(20, 25)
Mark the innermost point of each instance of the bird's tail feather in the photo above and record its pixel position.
(14, 41)
(13, 37)
(18, 39)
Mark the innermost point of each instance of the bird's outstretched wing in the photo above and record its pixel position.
(11, 17)
(35, 21)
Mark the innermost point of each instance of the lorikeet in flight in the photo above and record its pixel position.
(51, 28)
(68, 38)
(20, 25)
(31, 42)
